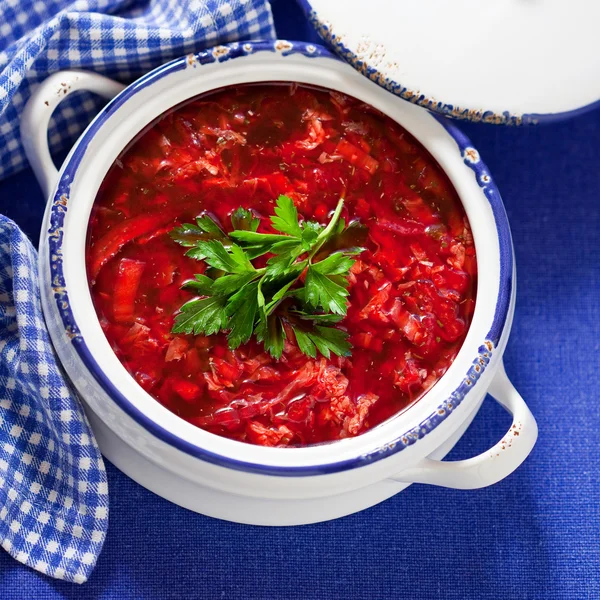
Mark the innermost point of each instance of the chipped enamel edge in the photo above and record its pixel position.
(325, 30)
(334, 40)
(443, 411)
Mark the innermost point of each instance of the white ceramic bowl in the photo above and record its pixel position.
(225, 478)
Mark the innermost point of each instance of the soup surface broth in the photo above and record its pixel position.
(411, 291)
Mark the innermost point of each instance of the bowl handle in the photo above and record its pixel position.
(39, 108)
(496, 463)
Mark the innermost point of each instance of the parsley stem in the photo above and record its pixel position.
(324, 235)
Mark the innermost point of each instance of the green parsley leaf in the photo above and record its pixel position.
(323, 292)
(288, 246)
(330, 339)
(324, 339)
(232, 261)
(282, 265)
(206, 316)
(270, 332)
(242, 308)
(257, 244)
(241, 259)
(318, 318)
(286, 219)
(201, 284)
(229, 284)
(196, 253)
(244, 220)
(341, 280)
(305, 344)
(252, 238)
(335, 264)
(253, 252)
(282, 292)
(278, 265)
(209, 225)
(188, 235)
(310, 233)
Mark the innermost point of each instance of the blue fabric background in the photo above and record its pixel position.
(535, 535)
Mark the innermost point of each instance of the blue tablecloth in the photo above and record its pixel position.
(534, 535)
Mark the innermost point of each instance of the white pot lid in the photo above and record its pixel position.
(509, 61)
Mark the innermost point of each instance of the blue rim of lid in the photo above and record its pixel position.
(438, 106)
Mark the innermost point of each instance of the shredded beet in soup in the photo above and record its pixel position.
(281, 265)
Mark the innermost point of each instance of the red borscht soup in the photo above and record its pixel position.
(410, 290)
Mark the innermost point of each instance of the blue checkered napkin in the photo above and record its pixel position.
(119, 38)
(53, 490)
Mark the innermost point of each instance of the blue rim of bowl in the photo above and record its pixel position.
(55, 238)
(438, 106)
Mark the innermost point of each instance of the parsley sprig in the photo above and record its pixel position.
(236, 296)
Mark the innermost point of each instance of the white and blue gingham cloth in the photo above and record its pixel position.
(119, 38)
(53, 488)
